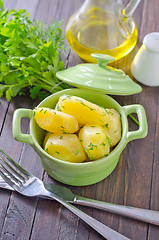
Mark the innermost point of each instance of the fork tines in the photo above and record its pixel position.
(9, 170)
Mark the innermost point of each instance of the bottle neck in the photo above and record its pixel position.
(105, 5)
(100, 3)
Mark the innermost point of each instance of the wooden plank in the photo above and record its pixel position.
(154, 205)
(47, 220)
(3, 110)
(10, 4)
(150, 101)
(17, 221)
(18, 212)
(150, 18)
(4, 199)
(29, 5)
(14, 204)
(21, 211)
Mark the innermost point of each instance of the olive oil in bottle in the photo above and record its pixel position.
(101, 31)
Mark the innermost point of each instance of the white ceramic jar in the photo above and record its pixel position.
(145, 66)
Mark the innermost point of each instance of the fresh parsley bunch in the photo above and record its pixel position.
(30, 55)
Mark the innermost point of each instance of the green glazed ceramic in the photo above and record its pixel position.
(99, 77)
(80, 174)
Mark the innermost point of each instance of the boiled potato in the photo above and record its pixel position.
(95, 141)
(55, 121)
(83, 110)
(66, 147)
(114, 127)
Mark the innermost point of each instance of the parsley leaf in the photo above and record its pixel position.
(30, 55)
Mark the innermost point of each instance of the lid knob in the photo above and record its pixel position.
(102, 59)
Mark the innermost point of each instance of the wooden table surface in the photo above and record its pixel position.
(135, 180)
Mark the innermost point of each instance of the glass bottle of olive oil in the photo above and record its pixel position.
(100, 26)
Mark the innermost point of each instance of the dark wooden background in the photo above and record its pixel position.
(134, 182)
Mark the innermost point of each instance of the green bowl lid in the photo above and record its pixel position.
(99, 77)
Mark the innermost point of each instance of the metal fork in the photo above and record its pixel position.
(28, 185)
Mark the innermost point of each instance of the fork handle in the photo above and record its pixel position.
(145, 215)
(105, 231)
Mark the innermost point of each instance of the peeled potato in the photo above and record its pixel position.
(114, 127)
(66, 147)
(55, 121)
(83, 110)
(95, 141)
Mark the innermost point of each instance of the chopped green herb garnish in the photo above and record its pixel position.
(90, 156)
(61, 137)
(57, 152)
(108, 139)
(92, 146)
(103, 144)
(67, 96)
(45, 111)
(86, 105)
(77, 152)
(46, 150)
(109, 112)
(41, 110)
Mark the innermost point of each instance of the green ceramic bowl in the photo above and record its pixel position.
(80, 174)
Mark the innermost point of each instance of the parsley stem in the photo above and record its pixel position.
(46, 81)
(134, 119)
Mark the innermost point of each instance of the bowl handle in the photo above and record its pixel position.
(16, 125)
(143, 128)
